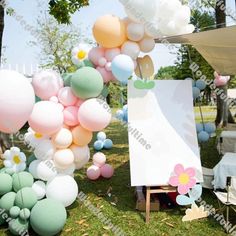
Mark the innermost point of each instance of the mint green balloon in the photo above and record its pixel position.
(14, 212)
(48, 217)
(25, 214)
(3, 170)
(30, 159)
(7, 201)
(88, 63)
(18, 226)
(67, 79)
(9, 171)
(86, 83)
(5, 183)
(26, 198)
(21, 180)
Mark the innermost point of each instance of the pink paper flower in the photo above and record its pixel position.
(184, 179)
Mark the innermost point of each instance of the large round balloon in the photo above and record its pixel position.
(26, 198)
(109, 31)
(5, 183)
(17, 99)
(62, 188)
(21, 180)
(47, 83)
(122, 68)
(7, 201)
(46, 118)
(86, 83)
(48, 217)
(94, 114)
(62, 139)
(63, 158)
(46, 170)
(81, 136)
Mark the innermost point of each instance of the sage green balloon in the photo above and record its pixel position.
(86, 83)
(26, 198)
(25, 214)
(88, 63)
(67, 79)
(48, 217)
(7, 201)
(14, 212)
(9, 171)
(3, 170)
(21, 180)
(5, 183)
(18, 226)
(30, 159)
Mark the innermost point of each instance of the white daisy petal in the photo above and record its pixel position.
(22, 157)
(20, 167)
(8, 164)
(7, 154)
(15, 151)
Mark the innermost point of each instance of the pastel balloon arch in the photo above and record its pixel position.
(70, 108)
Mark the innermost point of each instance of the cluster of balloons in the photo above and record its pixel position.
(122, 114)
(24, 202)
(198, 86)
(99, 168)
(205, 131)
(220, 80)
(160, 17)
(102, 142)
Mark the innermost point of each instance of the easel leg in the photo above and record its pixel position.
(148, 194)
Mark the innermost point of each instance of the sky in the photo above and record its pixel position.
(16, 39)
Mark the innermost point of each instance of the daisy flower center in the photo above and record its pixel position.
(183, 179)
(81, 54)
(37, 135)
(16, 159)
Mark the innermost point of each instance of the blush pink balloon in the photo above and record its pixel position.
(102, 61)
(95, 54)
(107, 171)
(46, 118)
(79, 102)
(93, 172)
(110, 54)
(221, 80)
(106, 75)
(17, 100)
(66, 97)
(71, 116)
(47, 84)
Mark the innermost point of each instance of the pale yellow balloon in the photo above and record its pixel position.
(63, 158)
(62, 139)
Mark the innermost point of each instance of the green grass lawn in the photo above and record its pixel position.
(115, 199)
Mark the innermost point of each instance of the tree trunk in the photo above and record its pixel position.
(4, 138)
(223, 113)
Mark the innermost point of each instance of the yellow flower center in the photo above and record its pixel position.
(37, 135)
(183, 179)
(81, 54)
(16, 159)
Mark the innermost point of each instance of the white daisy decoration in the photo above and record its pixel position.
(80, 53)
(33, 138)
(14, 159)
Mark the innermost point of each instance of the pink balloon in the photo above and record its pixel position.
(95, 54)
(79, 102)
(99, 159)
(102, 61)
(110, 54)
(71, 116)
(47, 84)
(46, 118)
(17, 100)
(94, 114)
(108, 66)
(66, 97)
(106, 75)
(93, 172)
(221, 80)
(107, 171)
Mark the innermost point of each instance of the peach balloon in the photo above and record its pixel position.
(107, 171)
(66, 97)
(109, 31)
(79, 102)
(63, 159)
(46, 118)
(62, 139)
(71, 115)
(81, 136)
(93, 172)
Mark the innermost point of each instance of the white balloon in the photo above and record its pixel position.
(152, 30)
(167, 8)
(69, 171)
(44, 150)
(62, 188)
(135, 32)
(46, 170)
(131, 49)
(81, 155)
(182, 16)
(188, 29)
(33, 168)
(39, 188)
(147, 45)
(63, 158)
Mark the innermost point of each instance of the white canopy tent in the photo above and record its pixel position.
(217, 46)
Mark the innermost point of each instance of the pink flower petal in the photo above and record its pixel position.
(179, 169)
(174, 181)
(191, 183)
(183, 189)
(190, 171)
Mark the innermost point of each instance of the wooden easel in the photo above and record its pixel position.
(149, 191)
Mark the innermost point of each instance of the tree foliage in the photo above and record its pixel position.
(63, 9)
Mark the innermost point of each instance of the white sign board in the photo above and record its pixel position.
(162, 131)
